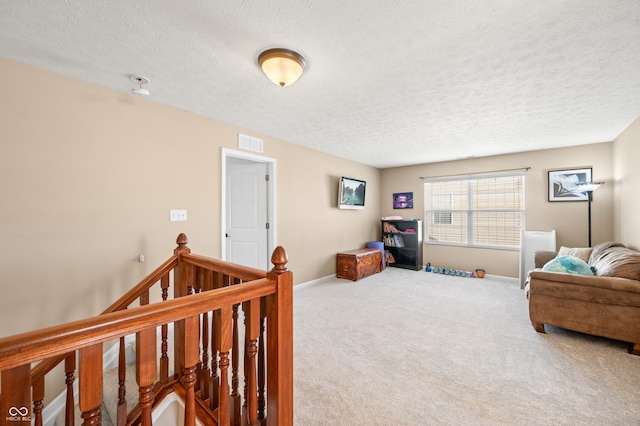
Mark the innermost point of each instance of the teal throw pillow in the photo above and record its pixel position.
(568, 265)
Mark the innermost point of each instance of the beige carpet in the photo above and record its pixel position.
(415, 348)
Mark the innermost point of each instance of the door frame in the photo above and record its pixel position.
(272, 233)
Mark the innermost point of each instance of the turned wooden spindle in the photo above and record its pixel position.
(38, 400)
(224, 409)
(252, 332)
(252, 390)
(164, 345)
(205, 372)
(197, 289)
(69, 371)
(164, 285)
(262, 368)
(235, 362)
(121, 412)
(223, 345)
(188, 380)
(204, 366)
(245, 363)
(215, 383)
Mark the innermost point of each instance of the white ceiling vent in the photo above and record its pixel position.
(247, 142)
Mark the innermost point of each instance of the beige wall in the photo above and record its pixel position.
(569, 219)
(627, 178)
(88, 178)
(89, 175)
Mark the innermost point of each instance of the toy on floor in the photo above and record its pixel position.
(452, 272)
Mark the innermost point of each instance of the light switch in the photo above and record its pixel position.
(177, 215)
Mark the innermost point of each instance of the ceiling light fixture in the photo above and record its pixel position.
(282, 66)
(140, 80)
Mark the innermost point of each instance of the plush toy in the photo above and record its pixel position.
(568, 265)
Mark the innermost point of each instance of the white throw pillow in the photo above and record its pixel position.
(581, 253)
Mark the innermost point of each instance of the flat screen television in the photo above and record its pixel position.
(351, 193)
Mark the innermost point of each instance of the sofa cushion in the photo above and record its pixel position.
(618, 262)
(600, 249)
(542, 257)
(568, 265)
(582, 253)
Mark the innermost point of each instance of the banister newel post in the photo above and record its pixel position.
(279, 259)
(189, 377)
(15, 399)
(146, 372)
(90, 386)
(182, 242)
(280, 343)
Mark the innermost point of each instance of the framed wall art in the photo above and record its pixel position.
(563, 184)
(403, 200)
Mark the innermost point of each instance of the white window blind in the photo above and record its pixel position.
(442, 205)
(475, 211)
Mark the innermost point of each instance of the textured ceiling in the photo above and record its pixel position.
(388, 82)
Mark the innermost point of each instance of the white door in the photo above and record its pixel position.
(247, 218)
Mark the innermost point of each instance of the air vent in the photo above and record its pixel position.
(247, 142)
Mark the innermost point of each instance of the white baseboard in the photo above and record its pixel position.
(313, 282)
(510, 280)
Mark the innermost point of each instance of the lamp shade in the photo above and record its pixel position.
(282, 66)
(589, 186)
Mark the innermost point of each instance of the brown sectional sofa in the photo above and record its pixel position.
(607, 304)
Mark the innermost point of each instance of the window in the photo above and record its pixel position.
(442, 206)
(475, 211)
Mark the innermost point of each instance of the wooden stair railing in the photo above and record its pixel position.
(205, 312)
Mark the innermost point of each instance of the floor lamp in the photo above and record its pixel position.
(588, 188)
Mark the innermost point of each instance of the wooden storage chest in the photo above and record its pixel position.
(359, 263)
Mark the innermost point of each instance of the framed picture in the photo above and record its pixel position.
(563, 184)
(403, 200)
